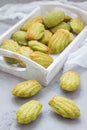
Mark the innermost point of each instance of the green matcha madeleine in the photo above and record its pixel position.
(38, 46)
(35, 31)
(20, 37)
(70, 81)
(41, 58)
(53, 18)
(46, 37)
(64, 107)
(67, 18)
(10, 60)
(62, 25)
(28, 112)
(72, 36)
(25, 51)
(29, 22)
(27, 88)
(59, 41)
(10, 45)
(77, 25)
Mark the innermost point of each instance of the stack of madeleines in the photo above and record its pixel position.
(41, 36)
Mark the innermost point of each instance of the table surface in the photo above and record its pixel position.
(48, 120)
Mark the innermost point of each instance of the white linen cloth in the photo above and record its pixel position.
(77, 58)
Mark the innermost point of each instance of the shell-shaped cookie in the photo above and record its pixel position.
(62, 25)
(41, 58)
(67, 18)
(12, 46)
(64, 107)
(77, 25)
(25, 51)
(11, 60)
(29, 22)
(59, 41)
(21, 64)
(35, 31)
(28, 112)
(71, 37)
(37, 46)
(26, 89)
(70, 81)
(47, 35)
(20, 37)
(53, 18)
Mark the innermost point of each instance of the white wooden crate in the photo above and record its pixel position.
(34, 70)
